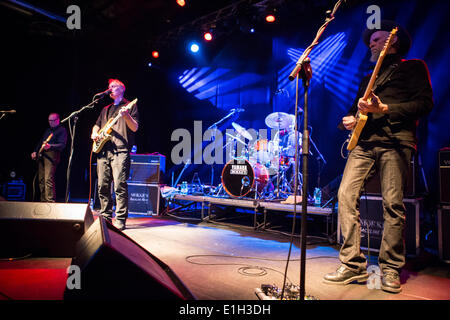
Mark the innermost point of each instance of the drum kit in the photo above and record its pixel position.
(267, 167)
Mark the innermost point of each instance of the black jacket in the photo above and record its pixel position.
(404, 85)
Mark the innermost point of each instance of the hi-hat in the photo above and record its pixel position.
(241, 130)
(279, 120)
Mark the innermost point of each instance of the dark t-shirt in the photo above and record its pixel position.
(122, 137)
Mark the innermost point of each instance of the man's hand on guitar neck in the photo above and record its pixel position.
(372, 104)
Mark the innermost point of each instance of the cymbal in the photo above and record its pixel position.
(241, 130)
(235, 138)
(279, 120)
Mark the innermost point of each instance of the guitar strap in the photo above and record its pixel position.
(385, 76)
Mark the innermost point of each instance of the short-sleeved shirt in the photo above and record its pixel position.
(122, 137)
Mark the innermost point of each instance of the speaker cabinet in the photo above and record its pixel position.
(146, 168)
(373, 185)
(444, 175)
(444, 233)
(372, 222)
(42, 229)
(115, 267)
(144, 198)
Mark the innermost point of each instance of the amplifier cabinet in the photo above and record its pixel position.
(444, 233)
(144, 198)
(444, 176)
(146, 168)
(373, 186)
(371, 217)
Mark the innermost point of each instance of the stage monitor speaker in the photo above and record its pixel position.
(113, 266)
(42, 229)
(444, 175)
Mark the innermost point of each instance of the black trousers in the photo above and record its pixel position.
(113, 167)
(392, 165)
(46, 174)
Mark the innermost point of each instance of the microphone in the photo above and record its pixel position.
(102, 94)
(237, 110)
(8, 111)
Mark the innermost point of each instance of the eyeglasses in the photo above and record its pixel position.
(52, 120)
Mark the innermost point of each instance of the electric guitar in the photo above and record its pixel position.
(104, 134)
(361, 117)
(39, 153)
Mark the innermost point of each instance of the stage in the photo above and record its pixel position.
(228, 261)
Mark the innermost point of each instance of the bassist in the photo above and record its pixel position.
(48, 153)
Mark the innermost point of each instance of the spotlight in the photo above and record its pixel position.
(149, 64)
(194, 47)
(252, 30)
(208, 36)
(270, 18)
(155, 54)
(181, 3)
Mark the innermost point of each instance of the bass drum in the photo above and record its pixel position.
(239, 177)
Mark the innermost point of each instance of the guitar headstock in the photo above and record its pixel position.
(389, 41)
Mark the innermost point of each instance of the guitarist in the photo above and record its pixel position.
(113, 160)
(401, 94)
(49, 157)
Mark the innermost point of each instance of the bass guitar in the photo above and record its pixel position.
(41, 149)
(104, 134)
(361, 118)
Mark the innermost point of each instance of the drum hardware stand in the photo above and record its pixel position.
(188, 162)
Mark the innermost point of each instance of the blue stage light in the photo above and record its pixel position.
(194, 47)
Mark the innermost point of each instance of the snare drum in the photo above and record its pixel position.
(239, 177)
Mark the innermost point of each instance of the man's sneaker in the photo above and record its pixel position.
(344, 275)
(119, 224)
(390, 281)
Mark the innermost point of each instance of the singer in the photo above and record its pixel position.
(401, 95)
(113, 161)
(47, 152)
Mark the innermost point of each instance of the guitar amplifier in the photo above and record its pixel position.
(147, 168)
(373, 185)
(444, 175)
(371, 217)
(444, 233)
(144, 199)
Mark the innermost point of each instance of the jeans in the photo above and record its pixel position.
(46, 175)
(392, 165)
(113, 166)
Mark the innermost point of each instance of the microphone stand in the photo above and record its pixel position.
(214, 128)
(303, 70)
(72, 136)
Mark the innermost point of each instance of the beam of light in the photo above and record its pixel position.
(48, 14)
(324, 57)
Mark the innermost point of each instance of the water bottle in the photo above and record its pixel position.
(184, 187)
(317, 197)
